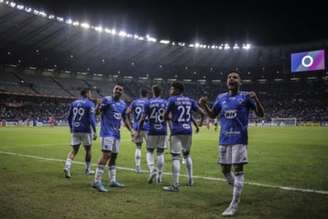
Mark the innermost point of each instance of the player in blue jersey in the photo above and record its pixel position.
(112, 110)
(179, 112)
(137, 108)
(155, 110)
(82, 123)
(232, 109)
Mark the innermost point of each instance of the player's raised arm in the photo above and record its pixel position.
(259, 110)
(211, 112)
(99, 105)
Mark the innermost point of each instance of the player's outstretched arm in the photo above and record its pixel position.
(204, 104)
(259, 110)
(195, 124)
(127, 124)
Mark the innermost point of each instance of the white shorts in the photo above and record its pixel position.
(156, 141)
(180, 143)
(110, 144)
(233, 154)
(141, 137)
(81, 138)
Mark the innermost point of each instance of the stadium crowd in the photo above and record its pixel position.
(306, 105)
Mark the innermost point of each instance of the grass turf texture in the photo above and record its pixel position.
(295, 157)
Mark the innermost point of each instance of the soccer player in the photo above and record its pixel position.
(179, 112)
(82, 123)
(112, 110)
(137, 108)
(155, 110)
(232, 109)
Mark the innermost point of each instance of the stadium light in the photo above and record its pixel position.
(28, 10)
(12, 4)
(226, 46)
(20, 7)
(85, 25)
(99, 29)
(76, 23)
(122, 34)
(60, 19)
(164, 41)
(69, 21)
(235, 47)
(247, 46)
(151, 39)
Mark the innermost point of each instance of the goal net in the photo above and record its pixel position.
(284, 121)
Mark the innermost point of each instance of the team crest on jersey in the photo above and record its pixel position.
(76, 124)
(117, 116)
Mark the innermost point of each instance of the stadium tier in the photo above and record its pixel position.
(36, 90)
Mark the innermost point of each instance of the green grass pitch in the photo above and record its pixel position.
(292, 157)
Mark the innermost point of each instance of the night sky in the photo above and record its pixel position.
(263, 22)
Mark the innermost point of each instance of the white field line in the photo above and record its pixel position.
(167, 173)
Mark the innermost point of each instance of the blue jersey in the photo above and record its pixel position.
(155, 110)
(181, 108)
(82, 117)
(111, 117)
(138, 109)
(233, 114)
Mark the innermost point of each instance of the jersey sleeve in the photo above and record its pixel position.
(217, 106)
(92, 117)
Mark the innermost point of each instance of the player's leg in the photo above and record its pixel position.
(186, 147)
(75, 142)
(87, 147)
(69, 160)
(150, 158)
(137, 154)
(225, 160)
(160, 158)
(112, 165)
(175, 152)
(100, 171)
(105, 157)
(239, 158)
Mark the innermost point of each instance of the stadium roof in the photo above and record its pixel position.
(32, 37)
(270, 22)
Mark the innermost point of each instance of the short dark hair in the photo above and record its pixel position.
(84, 91)
(143, 92)
(156, 90)
(178, 86)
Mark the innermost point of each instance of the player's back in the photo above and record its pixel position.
(181, 108)
(155, 109)
(82, 111)
(138, 109)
